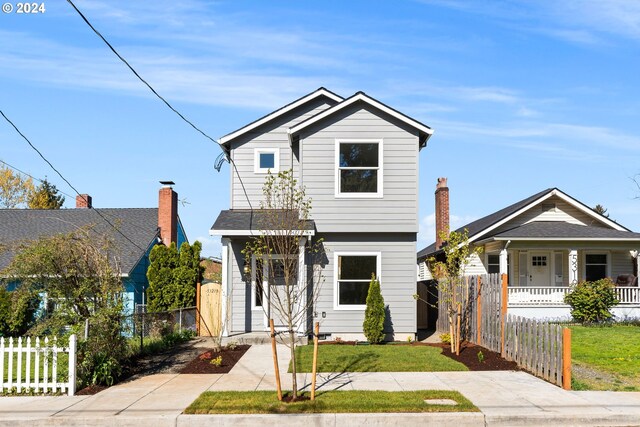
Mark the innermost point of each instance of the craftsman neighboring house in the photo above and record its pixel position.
(545, 243)
(139, 230)
(358, 160)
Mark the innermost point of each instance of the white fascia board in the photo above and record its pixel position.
(510, 217)
(555, 192)
(257, 232)
(280, 112)
(581, 207)
(364, 98)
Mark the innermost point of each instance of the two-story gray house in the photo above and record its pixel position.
(358, 160)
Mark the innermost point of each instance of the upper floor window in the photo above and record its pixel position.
(266, 159)
(359, 168)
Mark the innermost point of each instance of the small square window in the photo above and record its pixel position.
(266, 160)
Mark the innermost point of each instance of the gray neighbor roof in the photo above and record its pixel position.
(564, 230)
(247, 219)
(535, 229)
(140, 225)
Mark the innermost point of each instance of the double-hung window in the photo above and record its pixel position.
(595, 266)
(266, 159)
(352, 277)
(359, 168)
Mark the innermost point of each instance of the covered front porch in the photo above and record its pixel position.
(541, 272)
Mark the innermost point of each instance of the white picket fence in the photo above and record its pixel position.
(19, 355)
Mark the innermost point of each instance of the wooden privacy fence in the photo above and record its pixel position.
(33, 364)
(539, 347)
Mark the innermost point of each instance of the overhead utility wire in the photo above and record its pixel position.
(231, 162)
(30, 176)
(67, 181)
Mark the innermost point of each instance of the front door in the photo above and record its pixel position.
(539, 269)
(276, 288)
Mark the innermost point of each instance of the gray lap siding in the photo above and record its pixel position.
(397, 280)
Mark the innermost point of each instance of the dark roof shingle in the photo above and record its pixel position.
(140, 225)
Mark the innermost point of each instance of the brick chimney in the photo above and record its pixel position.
(442, 210)
(83, 201)
(168, 213)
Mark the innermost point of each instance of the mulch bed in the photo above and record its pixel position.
(92, 389)
(202, 364)
(469, 357)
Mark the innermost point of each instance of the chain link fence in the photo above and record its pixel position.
(161, 323)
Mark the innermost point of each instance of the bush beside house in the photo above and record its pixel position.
(374, 314)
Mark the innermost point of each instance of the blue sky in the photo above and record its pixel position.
(522, 95)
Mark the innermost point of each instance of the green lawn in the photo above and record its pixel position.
(606, 358)
(376, 358)
(266, 402)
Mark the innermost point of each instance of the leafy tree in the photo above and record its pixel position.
(14, 188)
(374, 314)
(80, 276)
(173, 276)
(591, 302)
(45, 196)
(450, 277)
(284, 212)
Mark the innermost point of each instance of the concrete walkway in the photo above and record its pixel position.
(504, 398)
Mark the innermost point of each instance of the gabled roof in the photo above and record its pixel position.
(320, 92)
(483, 227)
(246, 222)
(140, 225)
(424, 131)
(558, 230)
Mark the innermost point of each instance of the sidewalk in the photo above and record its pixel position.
(505, 398)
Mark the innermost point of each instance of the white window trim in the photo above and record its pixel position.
(378, 194)
(486, 259)
(595, 252)
(256, 160)
(336, 305)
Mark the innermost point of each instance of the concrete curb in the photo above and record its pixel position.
(453, 419)
(458, 419)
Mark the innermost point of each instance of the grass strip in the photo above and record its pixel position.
(376, 358)
(334, 401)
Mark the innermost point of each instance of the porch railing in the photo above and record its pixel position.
(526, 296)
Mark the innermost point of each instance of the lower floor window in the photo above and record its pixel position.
(353, 277)
(595, 267)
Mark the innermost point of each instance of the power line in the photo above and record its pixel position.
(231, 162)
(67, 181)
(30, 176)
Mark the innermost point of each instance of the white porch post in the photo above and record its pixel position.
(637, 263)
(504, 264)
(302, 282)
(226, 289)
(573, 267)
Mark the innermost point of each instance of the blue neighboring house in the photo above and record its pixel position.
(143, 227)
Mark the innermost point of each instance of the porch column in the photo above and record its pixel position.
(573, 266)
(637, 263)
(302, 287)
(226, 289)
(504, 264)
